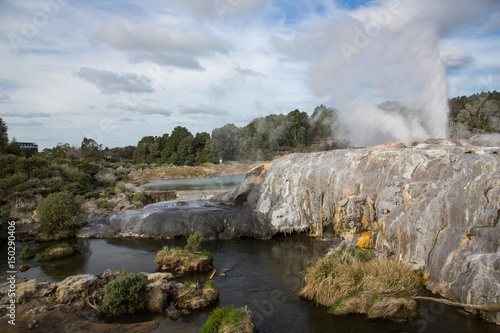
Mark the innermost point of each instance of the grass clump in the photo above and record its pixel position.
(354, 281)
(229, 319)
(210, 291)
(184, 260)
(56, 252)
(27, 253)
(123, 295)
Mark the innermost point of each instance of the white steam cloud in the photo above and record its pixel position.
(388, 51)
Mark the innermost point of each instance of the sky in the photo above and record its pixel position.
(119, 70)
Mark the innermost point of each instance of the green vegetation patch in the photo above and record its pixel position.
(27, 253)
(123, 295)
(56, 252)
(189, 259)
(60, 211)
(194, 242)
(229, 319)
(353, 281)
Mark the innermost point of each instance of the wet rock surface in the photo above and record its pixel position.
(436, 205)
(183, 218)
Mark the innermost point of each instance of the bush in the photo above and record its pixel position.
(4, 220)
(194, 242)
(103, 204)
(140, 197)
(123, 294)
(60, 211)
(27, 253)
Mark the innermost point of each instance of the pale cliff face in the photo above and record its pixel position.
(436, 207)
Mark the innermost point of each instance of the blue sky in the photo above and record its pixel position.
(120, 70)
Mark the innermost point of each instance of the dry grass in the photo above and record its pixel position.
(179, 172)
(350, 282)
(193, 296)
(182, 261)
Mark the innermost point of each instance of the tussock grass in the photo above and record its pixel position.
(210, 291)
(183, 260)
(229, 319)
(355, 281)
(55, 252)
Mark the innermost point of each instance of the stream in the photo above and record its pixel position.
(263, 274)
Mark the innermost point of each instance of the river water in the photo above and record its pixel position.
(263, 274)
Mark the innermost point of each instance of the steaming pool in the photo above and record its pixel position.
(213, 183)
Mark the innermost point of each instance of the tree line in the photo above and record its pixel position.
(262, 139)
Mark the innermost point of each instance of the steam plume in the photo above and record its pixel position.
(388, 51)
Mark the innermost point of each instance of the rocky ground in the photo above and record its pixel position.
(69, 305)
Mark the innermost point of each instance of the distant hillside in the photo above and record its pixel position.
(478, 113)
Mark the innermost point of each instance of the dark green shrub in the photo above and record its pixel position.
(27, 253)
(60, 211)
(123, 294)
(4, 220)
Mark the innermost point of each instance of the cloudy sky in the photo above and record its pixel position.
(118, 70)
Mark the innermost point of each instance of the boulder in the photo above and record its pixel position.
(75, 286)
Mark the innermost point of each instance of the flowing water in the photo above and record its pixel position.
(222, 182)
(265, 275)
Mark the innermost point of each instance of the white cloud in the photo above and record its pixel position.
(454, 57)
(4, 97)
(161, 44)
(19, 114)
(202, 70)
(201, 109)
(218, 9)
(112, 83)
(141, 109)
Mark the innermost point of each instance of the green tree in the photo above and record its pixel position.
(185, 152)
(14, 149)
(225, 141)
(60, 211)
(296, 135)
(142, 154)
(172, 143)
(91, 149)
(4, 137)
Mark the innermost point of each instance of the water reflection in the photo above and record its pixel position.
(265, 275)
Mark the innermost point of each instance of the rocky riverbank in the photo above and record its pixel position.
(70, 305)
